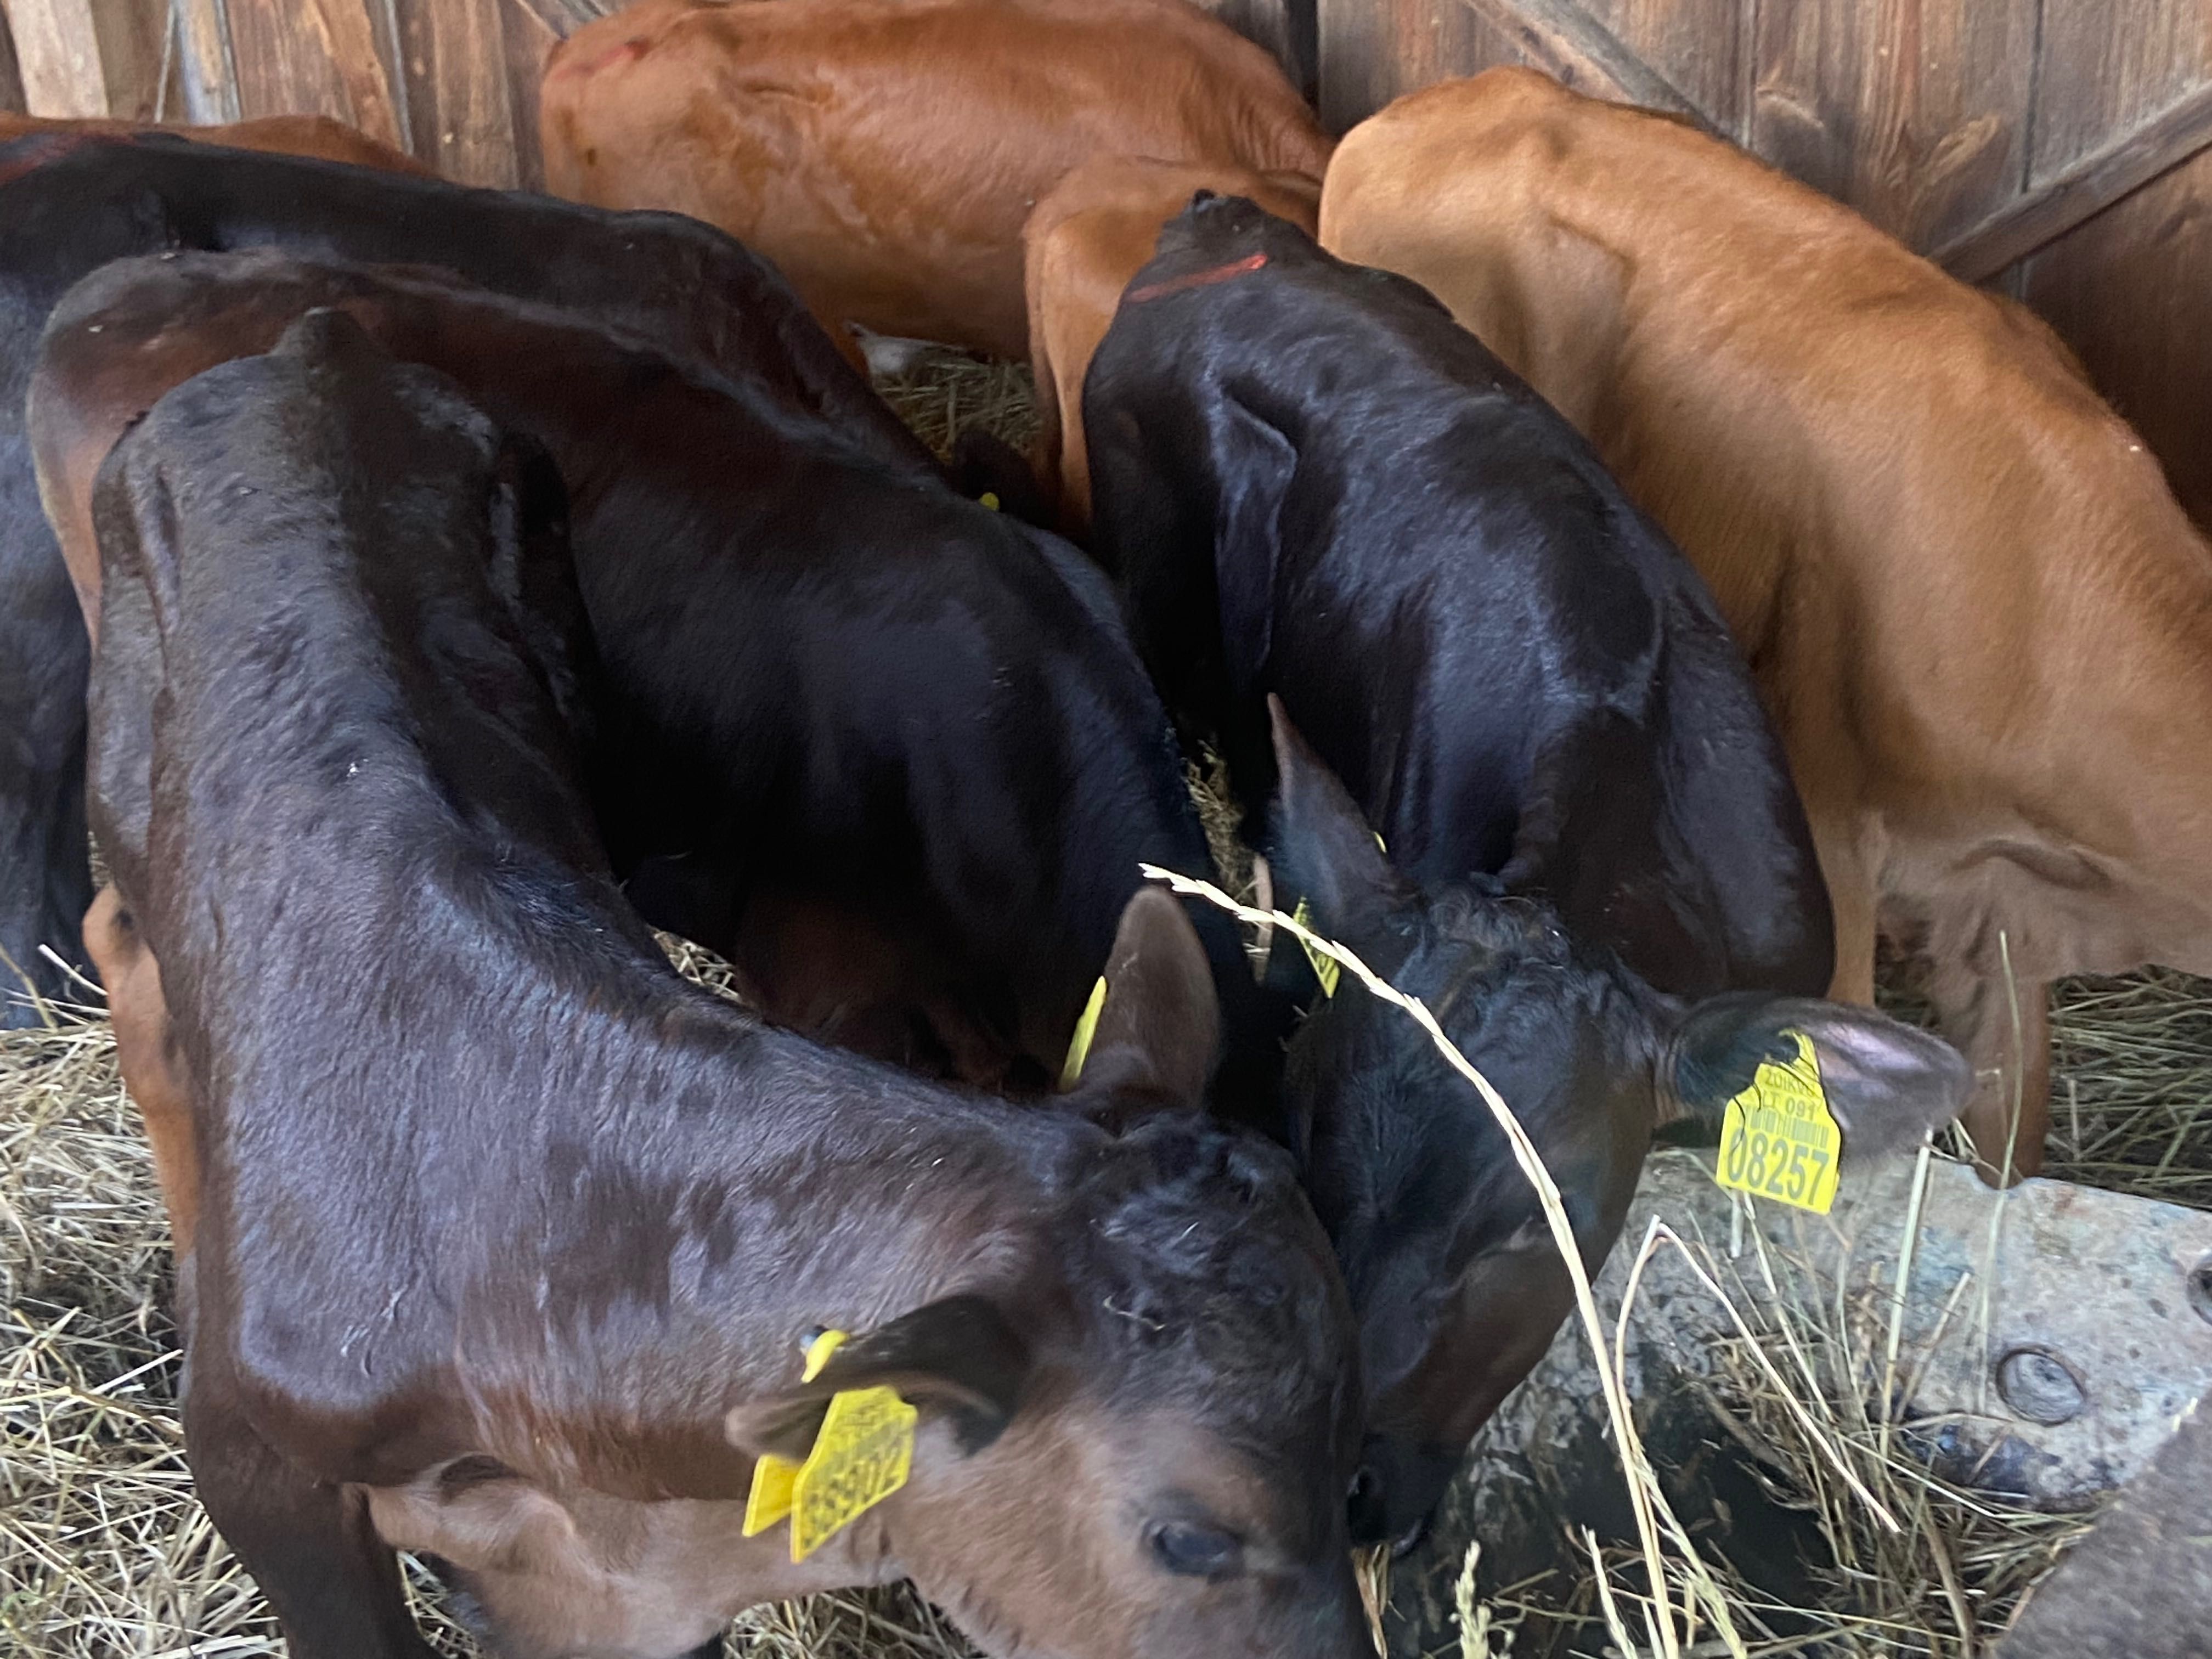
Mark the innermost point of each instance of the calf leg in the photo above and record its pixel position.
(309, 1545)
(45, 878)
(2010, 1114)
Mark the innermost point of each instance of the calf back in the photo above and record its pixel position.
(883, 154)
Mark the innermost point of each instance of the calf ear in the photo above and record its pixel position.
(1323, 849)
(959, 1356)
(1887, 1083)
(1159, 1027)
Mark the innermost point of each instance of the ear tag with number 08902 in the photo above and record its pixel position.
(1778, 1139)
(862, 1454)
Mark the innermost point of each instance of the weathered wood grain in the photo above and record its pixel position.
(59, 55)
(1915, 111)
(2130, 290)
(205, 76)
(1562, 37)
(527, 38)
(2108, 67)
(1702, 48)
(476, 132)
(11, 76)
(1283, 26)
(1373, 50)
(2093, 182)
(313, 57)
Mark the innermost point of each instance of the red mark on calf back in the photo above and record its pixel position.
(1206, 278)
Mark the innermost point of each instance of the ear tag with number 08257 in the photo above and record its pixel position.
(862, 1454)
(1778, 1139)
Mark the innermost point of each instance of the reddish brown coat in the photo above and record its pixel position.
(884, 153)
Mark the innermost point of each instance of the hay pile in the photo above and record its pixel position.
(105, 1552)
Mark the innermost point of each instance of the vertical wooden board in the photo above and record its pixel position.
(2109, 64)
(210, 91)
(11, 76)
(476, 135)
(130, 33)
(1703, 48)
(1275, 24)
(312, 57)
(351, 38)
(2128, 290)
(414, 24)
(57, 53)
(1374, 50)
(528, 41)
(1915, 111)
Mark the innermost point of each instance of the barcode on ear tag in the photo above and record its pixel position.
(1324, 965)
(863, 1455)
(1778, 1139)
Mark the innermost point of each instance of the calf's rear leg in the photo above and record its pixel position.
(309, 1545)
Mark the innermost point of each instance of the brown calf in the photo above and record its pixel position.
(1080, 247)
(1979, 619)
(504, 1243)
(884, 154)
(315, 136)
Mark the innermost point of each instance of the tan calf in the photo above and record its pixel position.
(884, 153)
(1081, 247)
(1980, 621)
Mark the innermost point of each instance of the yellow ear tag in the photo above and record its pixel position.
(1079, 1045)
(1778, 1139)
(775, 1479)
(1324, 965)
(862, 1454)
(990, 499)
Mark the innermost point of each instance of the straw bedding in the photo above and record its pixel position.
(103, 1552)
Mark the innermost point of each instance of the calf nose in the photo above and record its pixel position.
(1394, 1496)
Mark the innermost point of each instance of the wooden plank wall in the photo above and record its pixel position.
(453, 81)
(2060, 148)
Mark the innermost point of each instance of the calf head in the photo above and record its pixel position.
(1155, 1464)
(1137, 1406)
(1454, 1276)
(1143, 1449)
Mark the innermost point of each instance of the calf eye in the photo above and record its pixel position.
(1195, 1552)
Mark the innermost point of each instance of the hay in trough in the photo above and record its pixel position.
(105, 1552)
